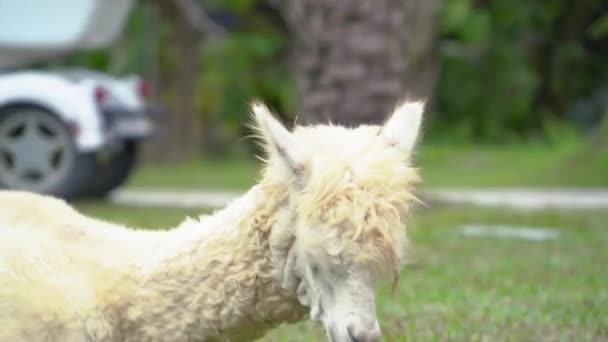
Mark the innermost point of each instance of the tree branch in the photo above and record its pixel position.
(196, 17)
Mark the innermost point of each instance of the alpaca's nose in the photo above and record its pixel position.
(361, 333)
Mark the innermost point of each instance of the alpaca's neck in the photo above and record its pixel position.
(214, 277)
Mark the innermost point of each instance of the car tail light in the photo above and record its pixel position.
(101, 94)
(74, 128)
(144, 89)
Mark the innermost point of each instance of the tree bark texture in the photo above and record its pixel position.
(352, 61)
(179, 131)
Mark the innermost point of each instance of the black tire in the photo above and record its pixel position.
(113, 171)
(65, 182)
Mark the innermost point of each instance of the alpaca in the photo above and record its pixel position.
(312, 239)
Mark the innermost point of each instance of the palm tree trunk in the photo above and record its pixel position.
(353, 60)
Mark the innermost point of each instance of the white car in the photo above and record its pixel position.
(69, 133)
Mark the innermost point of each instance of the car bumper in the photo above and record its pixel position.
(122, 124)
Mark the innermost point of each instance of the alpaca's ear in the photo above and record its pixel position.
(278, 139)
(403, 127)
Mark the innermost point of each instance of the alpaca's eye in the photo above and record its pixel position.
(314, 269)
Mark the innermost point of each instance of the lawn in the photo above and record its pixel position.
(515, 165)
(532, 165)
(229, 173)
(464, 288)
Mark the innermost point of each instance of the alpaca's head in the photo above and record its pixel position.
(350, 190)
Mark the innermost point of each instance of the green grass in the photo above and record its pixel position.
(474, 288)
(530, 165)
(139, 217)
(213, 174)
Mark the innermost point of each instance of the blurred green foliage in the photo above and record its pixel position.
(241, 68)
(248, 63)
(510, 70)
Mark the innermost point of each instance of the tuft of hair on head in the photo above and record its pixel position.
(402, 128)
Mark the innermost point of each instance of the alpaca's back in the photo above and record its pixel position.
(57, 268)
(42, 287)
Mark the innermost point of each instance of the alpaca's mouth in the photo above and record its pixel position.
(351, 336)
(318, 313)
(330, 335)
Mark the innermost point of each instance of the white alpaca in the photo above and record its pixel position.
(325, 222)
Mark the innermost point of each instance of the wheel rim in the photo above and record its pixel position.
(35, 150)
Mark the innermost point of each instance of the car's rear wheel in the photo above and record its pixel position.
(112, 170)
(37, 153)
